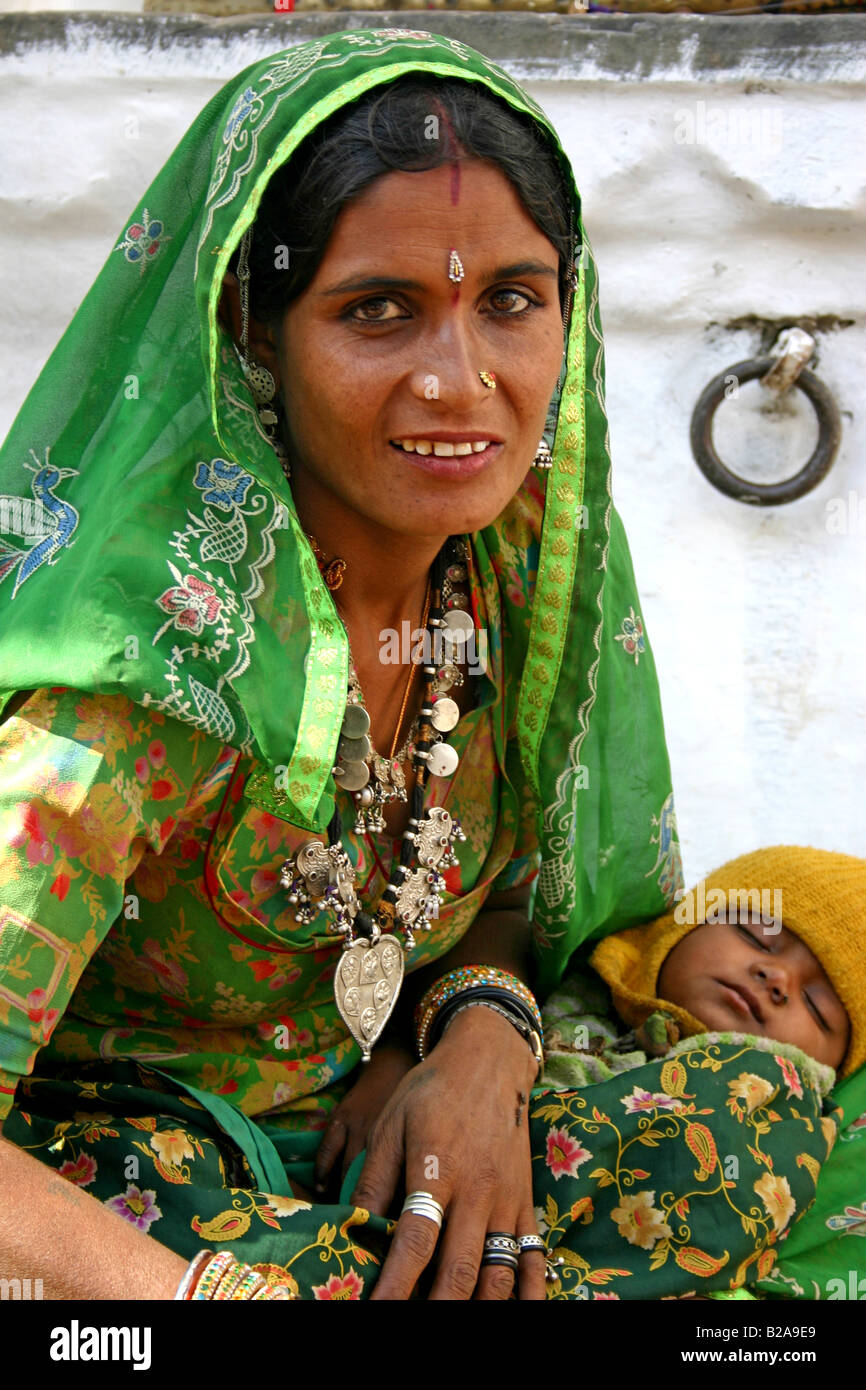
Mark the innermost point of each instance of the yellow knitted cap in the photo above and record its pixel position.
(823, 902)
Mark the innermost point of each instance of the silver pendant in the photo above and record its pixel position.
(366, 986)
(419, 900)
(370, 818)
(419, 896)
(447, 675)
(434, 839)
(354, 750)
(356, 721)
(459, 623)
(442, 760)
(369, 811)
(351, 776)
(314, 863)
(320, 878)
(446, 714)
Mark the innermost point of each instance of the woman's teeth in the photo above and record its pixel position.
(440, 448)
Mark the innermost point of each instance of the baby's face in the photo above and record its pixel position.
(741, 978)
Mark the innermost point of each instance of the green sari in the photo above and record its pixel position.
(145, 385)
(151, 556)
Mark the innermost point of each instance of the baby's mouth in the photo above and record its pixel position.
(748, 998)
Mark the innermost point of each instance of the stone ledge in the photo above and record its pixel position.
(779, 48)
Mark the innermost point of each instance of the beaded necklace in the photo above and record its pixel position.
(373, 780)
(321, 877)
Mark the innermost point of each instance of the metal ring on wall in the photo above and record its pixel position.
(765, 494)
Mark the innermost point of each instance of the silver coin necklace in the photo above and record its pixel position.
(320, 877)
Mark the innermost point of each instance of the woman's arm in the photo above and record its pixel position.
(455, 1127)
(499, 936)
(51, 1230)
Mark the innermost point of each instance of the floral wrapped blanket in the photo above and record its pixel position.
(686, 1174)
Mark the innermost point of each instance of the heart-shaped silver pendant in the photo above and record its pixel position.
(366, 986)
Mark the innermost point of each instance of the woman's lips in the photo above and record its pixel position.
(742, 1000)
(457, 466)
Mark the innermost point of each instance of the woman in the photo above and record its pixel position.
(294, 421)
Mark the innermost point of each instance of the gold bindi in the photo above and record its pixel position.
(489, 379)
(455, 268)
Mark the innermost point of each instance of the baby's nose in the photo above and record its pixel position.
(775, 979)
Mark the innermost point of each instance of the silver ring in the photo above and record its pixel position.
(500, 1243)
(424, 1197)
(424, 1204)
(531, 1243)
(500, 1258)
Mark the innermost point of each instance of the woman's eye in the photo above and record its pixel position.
(372, 311)
(510, 296)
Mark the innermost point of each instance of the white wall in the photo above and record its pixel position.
(755, 615)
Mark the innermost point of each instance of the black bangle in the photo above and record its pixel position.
(478, 994)
(529, 1033)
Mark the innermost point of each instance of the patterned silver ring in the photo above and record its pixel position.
(531, 1243)
(501, 1243)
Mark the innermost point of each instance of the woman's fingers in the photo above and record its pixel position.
(382, 1168)
(531, 1282)
(462, 1248)
(332, 1145)
(354, 1144)
(412, 1248)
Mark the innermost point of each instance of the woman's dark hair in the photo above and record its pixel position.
(414, 124)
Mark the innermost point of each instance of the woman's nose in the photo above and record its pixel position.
(774, 978)
(447, 369)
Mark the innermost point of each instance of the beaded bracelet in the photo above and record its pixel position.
(186, 1287)
(222, 1277)
(214, 1272)
(458, 982)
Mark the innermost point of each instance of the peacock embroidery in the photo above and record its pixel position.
(43, 523)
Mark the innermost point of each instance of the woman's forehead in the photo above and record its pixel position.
(404, 215)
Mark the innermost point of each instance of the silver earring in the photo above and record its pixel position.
(261, 382)
(263, 388)
(543, 458)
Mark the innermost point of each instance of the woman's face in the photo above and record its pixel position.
(383, 347)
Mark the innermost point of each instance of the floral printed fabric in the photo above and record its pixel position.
(683, 1175)
(584, 1045)
(141, 913)
(161, 1163)
(825, 1256)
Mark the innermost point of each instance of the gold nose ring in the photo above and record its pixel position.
(489, 380)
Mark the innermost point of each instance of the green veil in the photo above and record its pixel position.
(149, 544)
